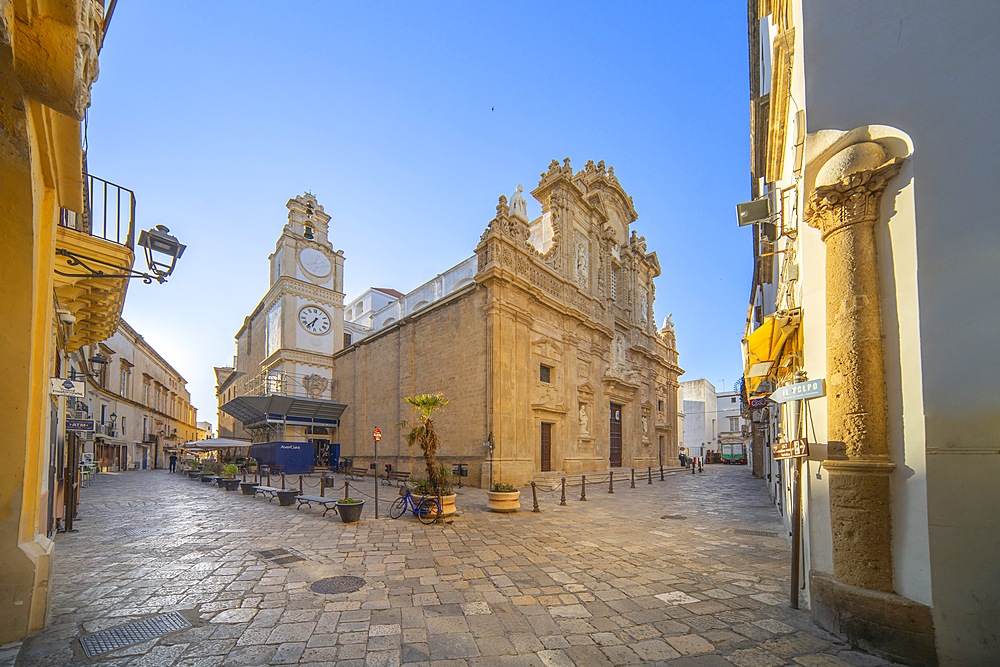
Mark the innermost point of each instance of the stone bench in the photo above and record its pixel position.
(399, 478)
(285, 496)
(319, 500)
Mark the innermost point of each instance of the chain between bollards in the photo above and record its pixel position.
(649, 474)
(562, 501)
(583, 487)
(534, 498)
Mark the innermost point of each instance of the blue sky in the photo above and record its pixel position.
(407, 120)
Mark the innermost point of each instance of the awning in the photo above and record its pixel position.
(766, 345)
(213, 444)
(284, 409)
(108, 440)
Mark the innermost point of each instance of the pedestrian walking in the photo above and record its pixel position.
(173, 463)
(682, 458)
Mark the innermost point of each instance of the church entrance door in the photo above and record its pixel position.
(546, 458)
(616, 436)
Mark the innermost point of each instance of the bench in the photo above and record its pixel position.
(357, 473)
(285, 496)
(399, 478)
(319, 500)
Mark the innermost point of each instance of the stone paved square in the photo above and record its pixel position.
(602, 582)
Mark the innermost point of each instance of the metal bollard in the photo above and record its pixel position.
(269, 477)
(347, 489)
(649, 473)
(701, 465)
(322, 486)
(300, 485)
(633, 479)
(534, 498)
(282, 481)
(694, 465)
(583, 487)
(611, 482)
(562, 501)
(244, 474)
(661, 473)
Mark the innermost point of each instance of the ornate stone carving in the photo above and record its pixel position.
(582, 262)
(584, 420)
(518, 206)
(853, 199)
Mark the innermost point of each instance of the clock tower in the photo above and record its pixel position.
(305, 303)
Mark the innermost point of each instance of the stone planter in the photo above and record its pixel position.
(287, 497)
(503, 501)
(194, 474)
(447, 502)
(231, 484)
(207, 477)
(350, 512)
(248, 488)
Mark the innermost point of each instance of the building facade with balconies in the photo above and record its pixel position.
(140, 404)
(48, 62)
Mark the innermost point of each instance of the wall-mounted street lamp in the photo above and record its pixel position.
(162, 251)
(97, 362)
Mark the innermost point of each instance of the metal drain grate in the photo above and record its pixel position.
(338, 585)
(279, 556)
(132, 633)
(758, 533)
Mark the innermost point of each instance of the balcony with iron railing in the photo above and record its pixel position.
(93, 258)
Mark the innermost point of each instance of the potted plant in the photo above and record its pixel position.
(438, 482)
(503, 497)
(349, 509)
(229, 472)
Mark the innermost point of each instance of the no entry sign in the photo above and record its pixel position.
(377, 434)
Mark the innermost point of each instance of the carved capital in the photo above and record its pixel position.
(851, 200)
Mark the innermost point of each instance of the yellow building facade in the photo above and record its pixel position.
(48, 61)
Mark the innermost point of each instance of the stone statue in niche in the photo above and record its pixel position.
(645, 425)
(618, 358)
(644, 307)
(582, 265)
(518, 206)
(584, 420)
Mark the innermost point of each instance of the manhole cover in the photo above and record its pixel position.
(757, 533)
(673, 516)
(132, 633)
(338, 585)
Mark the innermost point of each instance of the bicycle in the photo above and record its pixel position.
(427, 509)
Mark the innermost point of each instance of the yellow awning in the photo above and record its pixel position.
(765, 346)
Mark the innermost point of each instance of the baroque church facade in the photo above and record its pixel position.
(560, 367)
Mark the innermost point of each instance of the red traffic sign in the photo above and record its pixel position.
(377, 434)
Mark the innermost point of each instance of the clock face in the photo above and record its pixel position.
(314, 320)
(314, 262)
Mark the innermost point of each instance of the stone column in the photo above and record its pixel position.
(845, 208)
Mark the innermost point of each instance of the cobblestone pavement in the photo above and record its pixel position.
(659, 574)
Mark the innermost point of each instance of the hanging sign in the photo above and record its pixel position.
(790, 450)
(79, 424)
(799, 390)
(67, 387)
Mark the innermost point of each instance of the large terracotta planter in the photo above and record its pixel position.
(447, 502)
(503, 501)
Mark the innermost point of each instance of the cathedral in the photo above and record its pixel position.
(560, 370)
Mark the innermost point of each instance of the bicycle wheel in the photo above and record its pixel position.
(398, 507)
(428, 511)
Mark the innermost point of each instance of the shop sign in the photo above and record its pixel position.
(800, 390)
(67, 387)
(790, 450)
(79, 424)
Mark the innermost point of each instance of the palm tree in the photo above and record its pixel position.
(423, 432)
